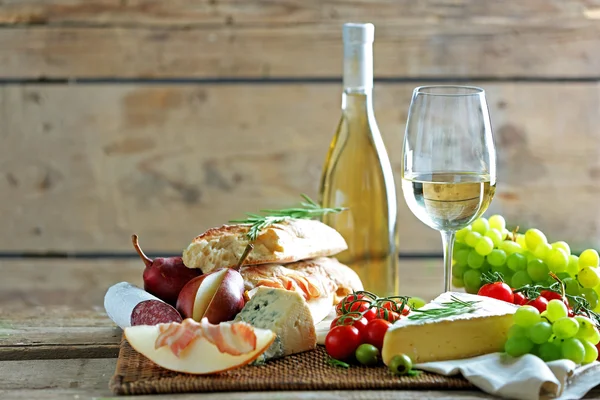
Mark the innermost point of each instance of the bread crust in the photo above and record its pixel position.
(284, 242)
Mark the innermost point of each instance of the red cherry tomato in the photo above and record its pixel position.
(395, 306)
(342, 341)
(353, 302)
(387, 315)
(349, 319)
(370, 314)
(519, 299)
(541, 303)
(598, 347)
(571, 313)
(550, 295)
(375, 332)
(497, 290)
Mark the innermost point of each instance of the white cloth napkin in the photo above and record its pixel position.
(522, 378)
(526, 377)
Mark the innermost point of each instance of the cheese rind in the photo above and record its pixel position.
(287, 314)
(464, 335)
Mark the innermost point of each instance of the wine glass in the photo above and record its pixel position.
(449, 161)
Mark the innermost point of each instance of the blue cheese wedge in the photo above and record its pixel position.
(287, 314)
(480, 330)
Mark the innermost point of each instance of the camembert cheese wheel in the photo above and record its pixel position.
(482, 330)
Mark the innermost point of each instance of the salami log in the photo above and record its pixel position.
(128, 305)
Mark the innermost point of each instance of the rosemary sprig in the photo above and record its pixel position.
(309, 209)
(454, 307)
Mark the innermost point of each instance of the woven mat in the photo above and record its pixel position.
(135, 374)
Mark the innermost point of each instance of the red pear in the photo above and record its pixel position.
(164, 277)
(218, 295)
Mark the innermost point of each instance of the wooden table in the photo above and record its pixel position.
(58, 352)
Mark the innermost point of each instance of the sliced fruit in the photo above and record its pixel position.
(202, 348)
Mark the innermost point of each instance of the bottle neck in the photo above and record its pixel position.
(358, 67)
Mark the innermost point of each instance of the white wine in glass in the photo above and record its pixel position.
(449, 161)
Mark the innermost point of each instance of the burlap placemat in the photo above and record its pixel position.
(135, 374)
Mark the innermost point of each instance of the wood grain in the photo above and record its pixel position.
(83, 167)
(265, 39)
(57, 332)
(86, 378)
(81, 284)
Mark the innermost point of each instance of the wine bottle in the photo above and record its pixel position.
(357, 174)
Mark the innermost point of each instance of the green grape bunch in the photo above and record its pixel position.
(552, 334)
(521, 260)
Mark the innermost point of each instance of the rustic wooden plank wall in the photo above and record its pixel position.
(164, 119)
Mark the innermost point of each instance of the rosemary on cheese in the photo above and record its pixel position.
(308, 209)
(454, 307)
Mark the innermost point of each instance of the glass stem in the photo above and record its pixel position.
(448, 243)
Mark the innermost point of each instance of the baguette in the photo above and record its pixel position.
(285, 242)
(314, 278)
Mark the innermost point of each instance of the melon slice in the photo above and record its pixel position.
(200, 357)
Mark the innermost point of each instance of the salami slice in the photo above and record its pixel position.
(128, 305)
(152, 312)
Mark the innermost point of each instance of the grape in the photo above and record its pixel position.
(520, 278)
(535, 237)
(485, 267)
(595, 338)
(495, 235)
(526, 316)
(471, 238)
(588, 277)
(461, 233)
(521, 240)
(542, 251)
(472, 280)
(510, 247)
(475, 260)
(563, 246)
(556, 309)
(537, 270)
(480, 225)
(565, 327)
(549, 352)
(505, 233)
(587, 329)
(497, 222)
(589, 258)
(572, 349)
(517, 331)
(591, 296)
(540, 332)
(484, 246)
(458, 270)
(458, 247)
(573, 267)
(461, 257)
(502, 270)
(517, 346)
(557, 260)
(591, 352)
(496, 258)
(457, 282)
(563, 275)
(572, 287)
(516, 262)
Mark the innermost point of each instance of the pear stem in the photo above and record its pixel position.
(245, 255)
(138, 249)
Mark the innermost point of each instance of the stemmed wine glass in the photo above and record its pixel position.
(449, 161)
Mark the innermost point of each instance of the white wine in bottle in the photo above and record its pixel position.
(357, 174)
